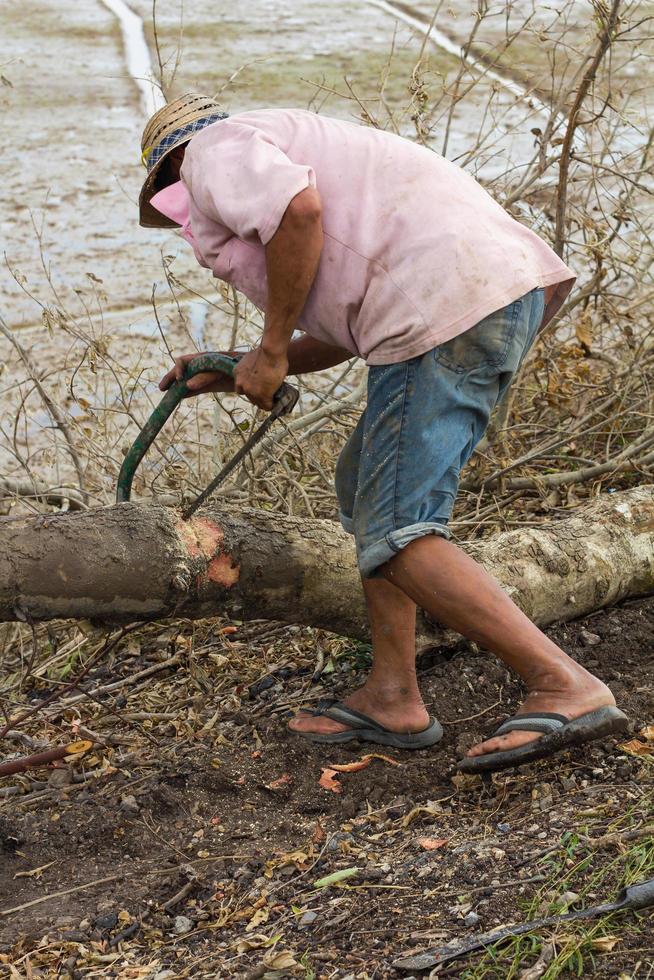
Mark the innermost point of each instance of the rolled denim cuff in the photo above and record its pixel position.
(347, 522)
(383, 550)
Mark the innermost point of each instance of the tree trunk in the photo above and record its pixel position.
(134, 561)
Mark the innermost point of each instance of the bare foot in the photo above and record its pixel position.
(395, 709)
(571, 695)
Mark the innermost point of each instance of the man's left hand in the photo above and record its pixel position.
(258, 375)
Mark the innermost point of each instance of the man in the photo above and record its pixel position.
(375, 247)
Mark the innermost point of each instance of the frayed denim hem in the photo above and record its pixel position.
(383, 550)
(347, 522)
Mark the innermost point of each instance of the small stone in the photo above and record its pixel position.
(308, 918)
(396, 809)
(384, 868)
(64, 922)
(182, 925)
(243, 872)
(471, 919)
(504, 828)
(106, 922)
(164, 975)
(589, 639)
(59, 778)
(129, 805)
(568, 783)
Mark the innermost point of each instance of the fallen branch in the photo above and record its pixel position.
(65, 891)
(40, 759)
(58, 496)
(134, 562)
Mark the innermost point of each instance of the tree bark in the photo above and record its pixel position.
(134, 561)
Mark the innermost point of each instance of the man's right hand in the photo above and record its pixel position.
(202, 383)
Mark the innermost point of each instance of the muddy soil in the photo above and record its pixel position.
(219, 806)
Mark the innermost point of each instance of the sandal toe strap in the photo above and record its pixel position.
(339, 712)
(546, 723)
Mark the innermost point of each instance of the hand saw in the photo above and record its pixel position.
(284, 401)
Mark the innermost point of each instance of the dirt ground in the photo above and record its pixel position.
(207, 826)
(188, 840)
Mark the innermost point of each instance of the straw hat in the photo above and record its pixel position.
(171, 126)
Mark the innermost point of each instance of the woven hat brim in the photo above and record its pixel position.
(161, 148)
(149, 217)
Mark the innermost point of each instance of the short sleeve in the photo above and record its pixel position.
(238, 177)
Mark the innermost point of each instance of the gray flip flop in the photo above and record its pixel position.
(365, 729)
(558, 733)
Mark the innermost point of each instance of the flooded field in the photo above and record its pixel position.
(79, 275)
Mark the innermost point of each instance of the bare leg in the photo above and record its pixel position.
(390, 694)
(457, 592)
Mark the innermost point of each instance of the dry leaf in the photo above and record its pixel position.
(605, 943)
(583, 331)
(318, 833)
(539, 968)
(362, 763)
(280, 783)
(299, 858)
(635, 747)
(466, 780)
(252, 942)
(279, 961)
(34, 873)
(327, 781)
(418, 811)
(432, 843)
(259, 917)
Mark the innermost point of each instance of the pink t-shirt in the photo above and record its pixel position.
(415, 250)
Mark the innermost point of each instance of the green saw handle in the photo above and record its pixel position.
(165, 408)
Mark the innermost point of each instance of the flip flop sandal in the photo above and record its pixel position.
(557, 734)
(365, 729)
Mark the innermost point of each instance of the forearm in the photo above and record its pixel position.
(306, 355)
(292, 257)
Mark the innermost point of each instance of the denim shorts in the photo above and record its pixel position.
(398, 473)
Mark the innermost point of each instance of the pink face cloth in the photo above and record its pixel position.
(415, 250)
